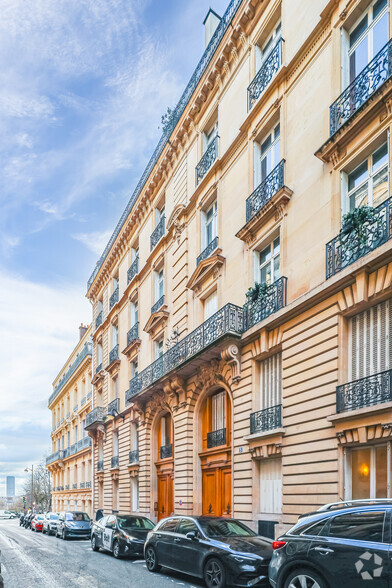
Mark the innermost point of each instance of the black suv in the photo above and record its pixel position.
(343, 544)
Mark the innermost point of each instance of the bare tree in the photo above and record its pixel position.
(37, 488)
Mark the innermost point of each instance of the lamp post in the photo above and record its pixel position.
(32, 483)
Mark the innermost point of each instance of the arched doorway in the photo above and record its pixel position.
(165, 466)
(216, 454)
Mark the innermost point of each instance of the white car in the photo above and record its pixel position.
(6, 514)
(49, 525)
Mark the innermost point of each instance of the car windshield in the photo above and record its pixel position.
(134, 523)
(219, 528)
(54, 517)
(76, 516)
(40, 518)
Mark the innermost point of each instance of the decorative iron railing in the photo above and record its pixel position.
(82, 485)
(158, 304)
(208, 250)
(347, 248)
(273, 300)
(113, 355)
(216, 438)
(368, 391)
(83, 401)
(97, 415)
(114, 461)
(227, 321)
(265, 191)
(99, 319)
(210, 155)
(114, 297)
(133, 269)
(88, 484)
(74, 486)
(266, 419)
(134, 456)
(61, 488)
(166, 451)
(266, 73)
(67, 486)
(378, 70)
(133, 333)
(98, 368)
(201, 67)
(100, 465)
(157, 233)
(87, 350)
(114, 407)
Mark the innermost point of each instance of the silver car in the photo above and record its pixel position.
(49, 525)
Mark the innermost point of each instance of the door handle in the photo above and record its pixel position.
(177, 539)
(323, 550)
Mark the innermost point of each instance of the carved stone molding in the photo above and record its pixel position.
(265, 451)
(231, 354)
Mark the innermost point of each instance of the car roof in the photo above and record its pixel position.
(349, 505)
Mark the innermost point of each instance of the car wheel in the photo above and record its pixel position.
(64, 535)
(43, 531)
(151, 560)
(214, 574)
(303, 577)
(116, 550)
(94, 545)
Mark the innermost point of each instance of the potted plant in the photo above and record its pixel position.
(257, 292)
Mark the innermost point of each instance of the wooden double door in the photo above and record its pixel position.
(217, 491)
(165, 495)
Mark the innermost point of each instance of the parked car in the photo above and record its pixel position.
(342, 544)
(218, 549)
(36, 522)
(73, 524)
(122, 535)
(49, 525)
(7, 514)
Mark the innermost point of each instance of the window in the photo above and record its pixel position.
(263, 52)
(83, 429)
(110, 523)
(209, 135)
(99, 353)
(134, 368)
(159, 214)
(115, 387)
(159, 285)
(267, 155)
(187, 526)
(271, 486)
(134, 313)
(158, 348)
(114, 336)
(269, 263)
(210, 305)
(368, 183)
(76, 433)
(169, 526)
(62, 442)
(134, 436)
(100, 306)
(359, 526)
(209, 227)
(135, 494)
(165, 432)
(115, 443)
(114, 284)
(366, 474)
(68, 438)
(134, 253)
(218, 406)
(271, 381)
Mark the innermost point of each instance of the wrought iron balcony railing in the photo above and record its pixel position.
(113, 355)
(133, 269)
(133, 333)
(114, 297)
(56, 456)
(166, 451)
(67, 486)
(87, 350)
(74, 486)
(378, 70)
(97, 415)
(114, 406)
(216, 438)
(266, 419)
(88, 484)
(114, 461)
(134, 456)
(210, 155)
(265, 191)
(83, 401)
(265, 74)
(227, 321)
(208, 250)
(157, 233)
(365, 392)
(99, 319)
(273, 300)
(98, 368)
(82, 485)
(347, 248)
(158, 304)
(100, 465)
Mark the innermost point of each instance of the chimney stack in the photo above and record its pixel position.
(82, 331)
(210, 23)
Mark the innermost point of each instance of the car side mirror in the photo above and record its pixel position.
(192, 535)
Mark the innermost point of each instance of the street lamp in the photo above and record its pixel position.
(32, 483)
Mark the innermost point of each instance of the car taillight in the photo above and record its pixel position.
(278, 544)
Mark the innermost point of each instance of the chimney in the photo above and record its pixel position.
(210, 23)
(82, 331)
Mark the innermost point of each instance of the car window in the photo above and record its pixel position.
(225, 528)
(111, 522)
(361, 526)
(186, 526)
(76, 516)
(54, 517)
(314, 529)
(169, 526)
(102, 521)
(134, 523)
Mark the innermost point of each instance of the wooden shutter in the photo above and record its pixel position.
(271, 381)
(271, 486)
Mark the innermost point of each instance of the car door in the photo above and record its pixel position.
(188, 553)
(108, 532)
(355, 549)
(164, 541)
(99, 527)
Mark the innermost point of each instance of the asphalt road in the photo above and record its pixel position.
(31, 559)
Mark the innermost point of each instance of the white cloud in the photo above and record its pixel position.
(95, 241)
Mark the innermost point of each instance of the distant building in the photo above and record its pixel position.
(10, 487)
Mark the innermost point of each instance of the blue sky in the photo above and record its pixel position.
(83, 85)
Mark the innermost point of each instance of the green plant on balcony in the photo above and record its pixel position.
(362, 228)
(258, 292)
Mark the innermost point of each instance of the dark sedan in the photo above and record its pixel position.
(120, 534)
(222, 551)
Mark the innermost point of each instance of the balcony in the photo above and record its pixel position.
(114, 463)
(209, 157)
(114, 298)
(271, 301)
(216, 438)
(83, 401)
(265, 191)
(99, 319)
(88, 484)
(211, 247)
(133, 269)
(100, 466)
(82, 485)
(134, 456)
(113, 359)
(133, 333)
(98, 368)
(348, 247)
(56, 456)
(369, 391)
(158, 304)
(95, 417)
(114, 407)
(265, 74)
(157, 233)
(361, 89)
(74, 486)
(166, 451)
(265, 420)
(228, 321)
(86, 351)
(67, 486)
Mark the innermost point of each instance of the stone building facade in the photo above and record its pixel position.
(265, 407)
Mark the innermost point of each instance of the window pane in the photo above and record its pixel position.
(276, 268)
(380, 35)
(265, 255)
(381, 472)
(266, 165)
(276, 245)
(186, 526)
(362, 526)
(277, 131)
(276, 153)
(358, 31)
(358, 175)
(378, 7)
(359, 59)
(380, 157)
(380, 186)
(360, 474)
(265, 274)
(359, 197)
(169, 525)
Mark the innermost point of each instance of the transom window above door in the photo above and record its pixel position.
(368, 183)
(269, 263)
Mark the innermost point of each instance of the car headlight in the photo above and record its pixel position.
(244, 558)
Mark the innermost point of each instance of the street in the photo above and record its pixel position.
(32, 559)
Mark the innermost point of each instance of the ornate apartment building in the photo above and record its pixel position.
(70, 464)
(265, 406)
